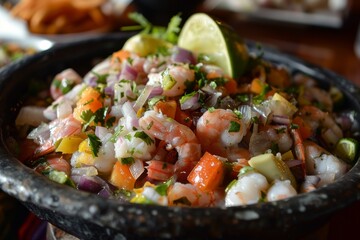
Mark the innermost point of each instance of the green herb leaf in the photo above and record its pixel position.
(94, 143)
(116, 134)
(88, 117)
(127, 160)
(163, 187)
(143, 136)
(234, 126)
(101, 78)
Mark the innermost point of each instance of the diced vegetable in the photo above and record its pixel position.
(69, 145)
(304, 128)
(90, 100)
(231, 86)
(120, 55)
(348, 150)
(208, 173)
(183, 117)
(272, 168)
(283, 106)
(287, 156)
(257, 86)
(121, 176)
(168, 108)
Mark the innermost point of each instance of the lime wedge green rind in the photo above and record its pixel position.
(202, 34)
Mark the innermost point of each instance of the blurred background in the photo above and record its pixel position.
(322, 32)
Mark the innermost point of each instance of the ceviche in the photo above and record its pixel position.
(156, 123)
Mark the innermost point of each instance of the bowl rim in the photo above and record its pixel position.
(24, 184)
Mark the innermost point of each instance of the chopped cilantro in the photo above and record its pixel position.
(255, 119)
(170, 33)
(242, 97)
(234, 126)
(187, 97)
(101, 78)
(163, 187)
(98, 117)
(281, 130)
(94, 143)
(142, 135)
(110, 122)
(274, 148)
(116, 134)
(128, 137)
(127, 160)
(88, 117)
(238, 114)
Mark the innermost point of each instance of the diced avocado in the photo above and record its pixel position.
(287, 156)
(272, 168)
(283, 106)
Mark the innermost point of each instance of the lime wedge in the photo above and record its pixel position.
(203, 35)
(347, 149)
(144, 44)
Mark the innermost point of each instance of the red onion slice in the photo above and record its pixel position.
(181, 55)
(191, 103)
(128, 73)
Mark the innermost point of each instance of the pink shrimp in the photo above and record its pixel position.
(321, 163)
(177, 136)
(59, 128)
(63, 82)
(188, 195)
(55, 162)
(317, 119)
(318, 95)
(299, 152)
(220, 131)
(60, 164)
(159, 170)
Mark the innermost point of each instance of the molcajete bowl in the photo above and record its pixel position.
(89, 216)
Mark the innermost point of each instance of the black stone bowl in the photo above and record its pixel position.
(89, 216)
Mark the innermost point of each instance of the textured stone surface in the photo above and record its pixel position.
(89, 216)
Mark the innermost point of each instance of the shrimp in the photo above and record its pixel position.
(220, 132)
(310, 183)
(299, 153)
(159, 170)
(246, 190)
(173, 80)
(177, 136)
(188, 195)
(276, 138)
(58, 128)
(322, 163)
(317, 119)
(280, 190)
(55, 162)
(64, 82)
(319, 96)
